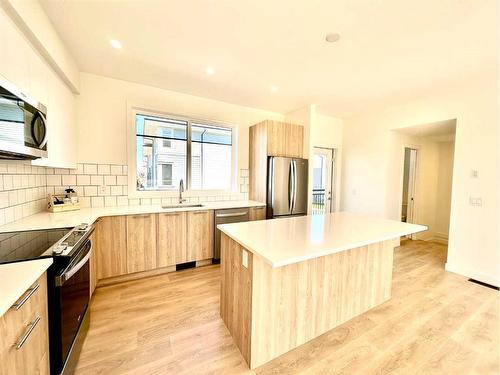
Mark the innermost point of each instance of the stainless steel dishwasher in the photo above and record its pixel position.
(227, 216)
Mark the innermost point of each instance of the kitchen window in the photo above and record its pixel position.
(171, 148)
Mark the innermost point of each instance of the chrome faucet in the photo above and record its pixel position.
(181, 189)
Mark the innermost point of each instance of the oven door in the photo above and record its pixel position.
(74, 293)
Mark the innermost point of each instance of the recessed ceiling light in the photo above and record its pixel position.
(332, 37)
(274, 89)
(210, 71)
(115, 43)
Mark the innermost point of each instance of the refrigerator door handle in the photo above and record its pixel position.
(290, 187)
(294, 200)
(271, 181)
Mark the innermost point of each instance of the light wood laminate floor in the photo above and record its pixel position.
(436, 323)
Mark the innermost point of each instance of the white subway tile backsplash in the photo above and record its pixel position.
(103, 169)
(83, 180)
(110, 201)
(90, 168)
(69, 180)
(90, 191)
(116, 190)
(109, 180)
(24, 188)
(121, 180)
(97, 201)
(116, 170)
(52, 180)
(97, 180)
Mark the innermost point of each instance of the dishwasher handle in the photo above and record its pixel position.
(234, 214)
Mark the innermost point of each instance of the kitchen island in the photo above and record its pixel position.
(286, 281)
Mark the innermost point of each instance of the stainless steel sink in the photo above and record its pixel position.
(183, 205)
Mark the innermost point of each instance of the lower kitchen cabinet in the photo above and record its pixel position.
(111, 246)
(257, 213)
(141, 242)
(172, 238)
(24, 339)
(200, 235)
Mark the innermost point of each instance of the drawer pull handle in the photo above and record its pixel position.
(26, 297)
(30, 329)
(200, 212)
(171, 214)
(139, 216)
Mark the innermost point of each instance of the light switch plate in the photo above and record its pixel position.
(244, 258)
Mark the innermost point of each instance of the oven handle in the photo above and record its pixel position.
(60, 280)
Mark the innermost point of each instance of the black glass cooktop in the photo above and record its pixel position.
(21, 246)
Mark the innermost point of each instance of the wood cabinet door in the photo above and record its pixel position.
(294, 140)
(172, 238)
(257, 213)
(285, 139)
(141, 242)
(276, 140)
(111, 246)
(200, 235)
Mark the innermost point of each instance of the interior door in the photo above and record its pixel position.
(280, 185)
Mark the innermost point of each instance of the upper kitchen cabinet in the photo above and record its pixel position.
(284, 139)
(271, 138)
(26, 69)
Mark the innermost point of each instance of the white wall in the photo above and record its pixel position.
(370, 182)
(444, 184)
(320, 130)
(21, 64)
(103, 110)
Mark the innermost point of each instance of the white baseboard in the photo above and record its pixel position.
(473, 274)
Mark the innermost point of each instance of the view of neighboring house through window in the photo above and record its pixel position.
(162, 146)
(211, 159)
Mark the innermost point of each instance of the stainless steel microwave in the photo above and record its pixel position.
(23, 125)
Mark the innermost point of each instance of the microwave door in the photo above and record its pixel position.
(280, 194)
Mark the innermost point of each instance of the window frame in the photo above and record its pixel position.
(133, 192)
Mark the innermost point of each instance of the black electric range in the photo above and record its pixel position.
(68, 282)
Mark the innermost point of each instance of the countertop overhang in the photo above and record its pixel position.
(290, 240)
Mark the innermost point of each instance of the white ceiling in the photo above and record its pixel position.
(389, 49)
(438, 131)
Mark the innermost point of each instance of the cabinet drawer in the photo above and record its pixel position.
(24, 338)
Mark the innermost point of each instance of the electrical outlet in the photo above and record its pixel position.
(244, 258)
(474, 173)
(102, 189)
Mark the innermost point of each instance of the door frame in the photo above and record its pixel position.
(332, 178)
(415, 189)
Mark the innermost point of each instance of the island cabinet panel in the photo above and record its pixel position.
(200, 235)
(111, 246)
(257, 213)
(236, 294)
(30, 321)
(172, 238)
(296, 303)
(141, 242)
(270, 311)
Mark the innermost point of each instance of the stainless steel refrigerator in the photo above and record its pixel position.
(286, 186)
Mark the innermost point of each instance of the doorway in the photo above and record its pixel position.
(323, 193)
(409, 186)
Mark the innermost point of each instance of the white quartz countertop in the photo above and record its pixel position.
(295, 239)
(16, 278)
(47, 220)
